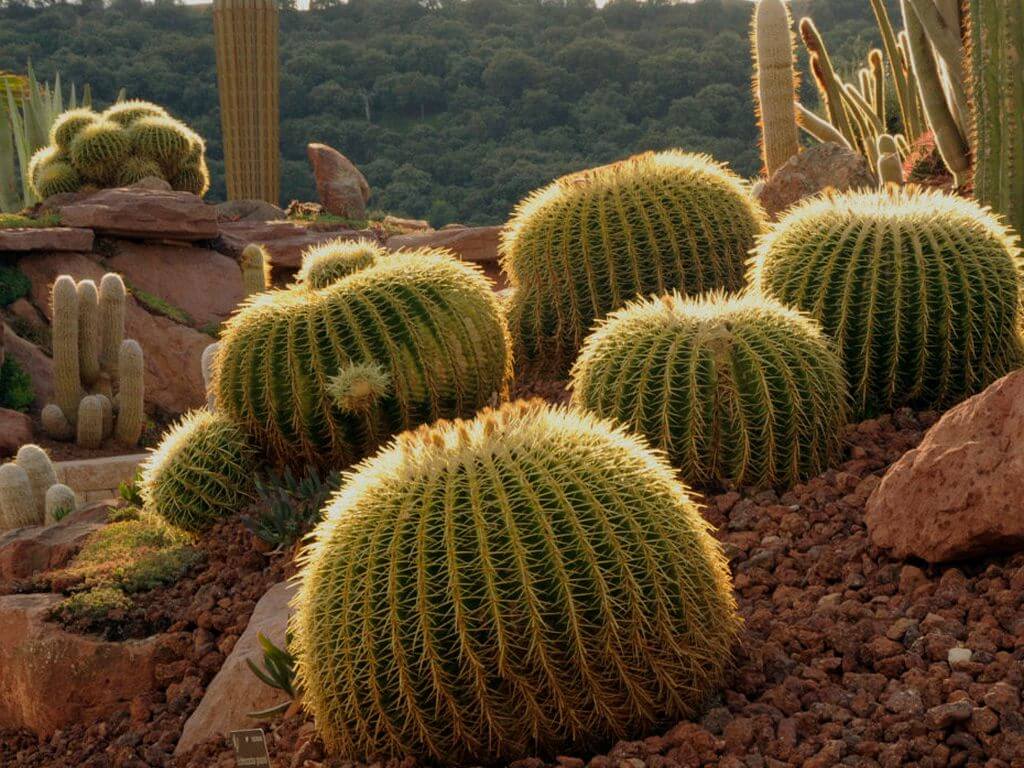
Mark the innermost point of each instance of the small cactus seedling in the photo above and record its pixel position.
(60, 502)
(328, 262)
(67, 380)
(17, 502)
(255, 263)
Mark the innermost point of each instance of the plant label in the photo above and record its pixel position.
(250, 748)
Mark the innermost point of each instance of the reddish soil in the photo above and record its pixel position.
(844, 659)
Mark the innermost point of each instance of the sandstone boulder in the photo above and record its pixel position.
(15, 431)
(46, 239)
(248, 210)
(341, 187)
(135, 212)
(205, 284)
(236, 691)
(811, 171)
(52, 678)
(174, 381)
(284, 240)
(476, 244)
(958, 494)
(27, 551)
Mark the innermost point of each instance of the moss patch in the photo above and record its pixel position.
(13, 285)
(19, 221)
(15, 386)
(159, 306)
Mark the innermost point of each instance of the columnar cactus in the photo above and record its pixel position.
(131, 417)
(88, 332)
(325, 263)
(734, 390)
(245, 32)
(920, 291)
(532, 581)
(17, 503)
(206, 366)
(67, 380)
(430, 321)
(775, 83)
(41, 474)
(589, 242)
(60, 501)
(997, 83)
(202, 471)
(255, 265)
(112, 305)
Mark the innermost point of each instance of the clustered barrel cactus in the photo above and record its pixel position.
(204, 470)
(532, 580)
(921, 291)
(125, 144)
(30, 493)
(326, 375)
(98, 375)
(738, 390)
(589, 242)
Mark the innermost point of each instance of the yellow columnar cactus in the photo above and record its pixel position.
(67, 381)
(248, 81)
(88, 332)
(60, 501)
(775, 83)
(111, 303)
(131, 394)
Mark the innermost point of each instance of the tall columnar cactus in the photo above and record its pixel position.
(737, 390)
(255, 265)
(112, 305)
(88, 332)
(245, 32)
(67, 380)
(428, 320)
(589, 242)
(775, 83)
(202, 471)
(41, 474)
(532, 581)
(997, 82)
(17, 503)
(920, 291)
(325, 263)
(131, 417)
(60, 501)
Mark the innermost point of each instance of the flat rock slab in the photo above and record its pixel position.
(27, 551)
(50, 678)
(476, 244)
(959, 493)
(236, 691)
(15, 431)
(144, 214)
(205, 284)
(284, 240)
(46, 239)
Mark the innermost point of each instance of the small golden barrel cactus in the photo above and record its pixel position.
(592, 241)
(202, 471)
(60, 501)
(99, 150)
(920, 291)
(734, 390)
(325, 263)
(68, 125)
(532, 581)
(431, 323)
(124, 113)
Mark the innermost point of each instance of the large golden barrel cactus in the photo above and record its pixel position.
(248, 81)
(591, 241)
(737, 390)
(531, 581)
(921, 291)
(326, 375)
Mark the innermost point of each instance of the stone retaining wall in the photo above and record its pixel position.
(98, 479)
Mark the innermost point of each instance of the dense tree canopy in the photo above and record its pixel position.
(453, 109)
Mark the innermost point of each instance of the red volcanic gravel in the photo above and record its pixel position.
(847, 658)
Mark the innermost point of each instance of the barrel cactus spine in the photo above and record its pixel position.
(592, 241)
(920, 291)
(131, 417)
(775, 83)
(202, 471)
(41, 474)
(736, 390)
(67, 382)
(17, 503)
(428, 320)
(613, 644)
(60, 501)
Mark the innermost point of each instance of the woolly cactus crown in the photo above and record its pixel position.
(591, 241)
(531, 580)
(921, 291)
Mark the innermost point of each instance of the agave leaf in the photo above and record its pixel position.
(10, 196)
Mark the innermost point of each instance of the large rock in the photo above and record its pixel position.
(341, 187)
(15, 431)
(812, 170)
(959, 493)
(248, 210)
(148, 214)
(35, 362)
(174, 380)
(205, 284)
(476, 244)
(46, 239)
(52, 678)
(236, 691)
(37, 548)
(284, 240)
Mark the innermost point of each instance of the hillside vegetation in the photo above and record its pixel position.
(453, 110)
